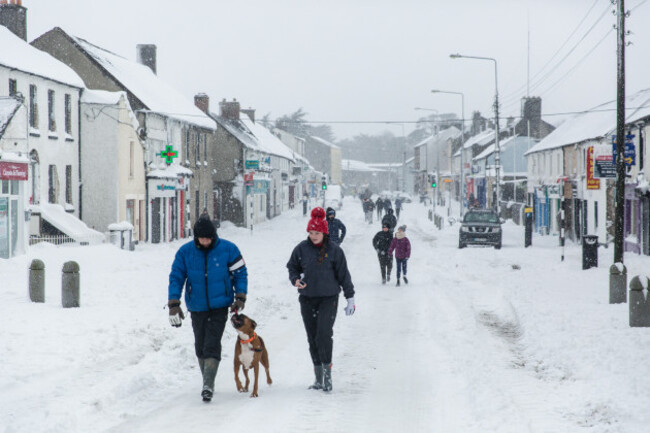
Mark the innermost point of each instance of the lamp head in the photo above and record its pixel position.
(455, 56)
(435, 91)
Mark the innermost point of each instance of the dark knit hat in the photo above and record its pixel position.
(317, 221)
(203, 228)
(385, 225)
(330, 212)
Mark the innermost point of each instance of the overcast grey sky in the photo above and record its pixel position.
(368, 60)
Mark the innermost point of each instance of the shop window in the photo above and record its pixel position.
(5, 187)
(14, 187)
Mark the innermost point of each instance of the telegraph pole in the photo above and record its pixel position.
(620, 135)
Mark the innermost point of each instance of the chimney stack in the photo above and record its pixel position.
(202, 101)
(531, 108)
(250, 112)
(229, 110)
(146, 55)
(14, 17)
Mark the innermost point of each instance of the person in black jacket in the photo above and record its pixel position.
(335, 226)
(381, 243)
(319, 270)
(390, 220)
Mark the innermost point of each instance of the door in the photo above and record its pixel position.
(155, 221)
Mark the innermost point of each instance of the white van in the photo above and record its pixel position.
(333, 197)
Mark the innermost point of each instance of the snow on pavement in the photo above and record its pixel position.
(481, 340)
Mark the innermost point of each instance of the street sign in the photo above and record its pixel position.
(252, 164)
(629, 154)
(604, 167)
(447, 180)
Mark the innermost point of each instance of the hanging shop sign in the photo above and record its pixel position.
(13, 171)
(629, 154)
(252, 164)
(604, 166)
(169, 154)
(592, 182)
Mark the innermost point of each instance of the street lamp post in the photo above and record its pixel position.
(461, 187)
(497, 157)
(404, 157)
(434, 194)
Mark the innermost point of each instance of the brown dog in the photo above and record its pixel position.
(250, 352)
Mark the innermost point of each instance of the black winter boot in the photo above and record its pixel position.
(318, 382)
(210, 367)
(405, 280)
(397, 282)
(327, 377)
(201, 365)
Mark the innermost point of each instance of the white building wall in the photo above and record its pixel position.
(57, 147)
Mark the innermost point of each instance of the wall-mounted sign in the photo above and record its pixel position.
(169, 154)
(251, 163)
(592, 182)
(629, 154)
(13, 171)
(604, 166)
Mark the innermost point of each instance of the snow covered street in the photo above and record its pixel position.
(480, 340)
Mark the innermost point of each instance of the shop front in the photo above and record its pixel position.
(163, 213)
(13, 224)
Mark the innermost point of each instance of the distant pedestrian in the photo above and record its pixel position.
(336, 227)
(305, 202)
(390, 220)
(398, 206)
(387, 204)
(368, 208)
(380, 207)
(381, 242)
(402, 248)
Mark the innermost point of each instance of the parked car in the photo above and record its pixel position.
(333, 197)
(405, 197)
(480, 227)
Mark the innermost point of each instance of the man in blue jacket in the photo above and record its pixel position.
(336, 227)
(215, 278)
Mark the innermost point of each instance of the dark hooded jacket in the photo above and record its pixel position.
(335, 226)
(381, 241)
(389, 219)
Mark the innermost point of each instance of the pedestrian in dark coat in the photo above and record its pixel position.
(319, 270)
(402, 248)
(398, 207)
(380, 207)
(389, 219)
(214, 276)
(335, 226)
(381, 243)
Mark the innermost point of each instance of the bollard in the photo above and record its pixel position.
(617, 283)
(70, 285)
(37, 281)
(639, 304)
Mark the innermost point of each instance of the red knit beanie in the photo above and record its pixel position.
(317, 221)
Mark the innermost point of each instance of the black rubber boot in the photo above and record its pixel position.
(327, 377)
(405, 280)
(201, 365)
(318, 382)
(210, 367)
(397, 282)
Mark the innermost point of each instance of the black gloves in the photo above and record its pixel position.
(176, 315)
(240, 302)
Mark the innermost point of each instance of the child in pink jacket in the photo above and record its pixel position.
(402, 247)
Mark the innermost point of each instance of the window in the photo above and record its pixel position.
(68, 114)
(68, 184)
(53, 181)
(33, 107)
(187, 146)
(205, 148)
(197, 148)
(130, 212)
(51, 120)
(205, 199)
(13, 87)
(595, 216)
(131, 158)
(196, 205)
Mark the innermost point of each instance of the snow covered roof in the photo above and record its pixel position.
(482, 138)
(104, 97)
(153, 92)
(72, 226)
(266, 141)
(323, 141)
(8, 107)
(503, 145)
(354, 165)
(238, 130)
(18, 54)
(451, 132)
(13, 157)
(595, 123)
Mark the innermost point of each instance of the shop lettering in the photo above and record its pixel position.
(166, 187)
(11, 171)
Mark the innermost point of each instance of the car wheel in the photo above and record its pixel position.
(461, 245)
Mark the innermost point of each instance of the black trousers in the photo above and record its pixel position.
(385, 264)
(208, 327)
(318, 315)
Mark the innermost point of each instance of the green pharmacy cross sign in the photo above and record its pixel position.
(169, 154)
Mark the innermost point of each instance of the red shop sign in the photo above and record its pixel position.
(13, 171)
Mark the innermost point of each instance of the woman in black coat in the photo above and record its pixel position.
(319, 270)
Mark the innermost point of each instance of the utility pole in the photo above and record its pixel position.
(620, 135)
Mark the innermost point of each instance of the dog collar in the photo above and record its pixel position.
(249, 340)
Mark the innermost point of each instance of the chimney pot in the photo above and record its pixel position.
(229, 110)
(202, 101)
(146, 55)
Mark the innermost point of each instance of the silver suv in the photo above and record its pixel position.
(480, 227)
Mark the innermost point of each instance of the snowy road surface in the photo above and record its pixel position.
(480, 341)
